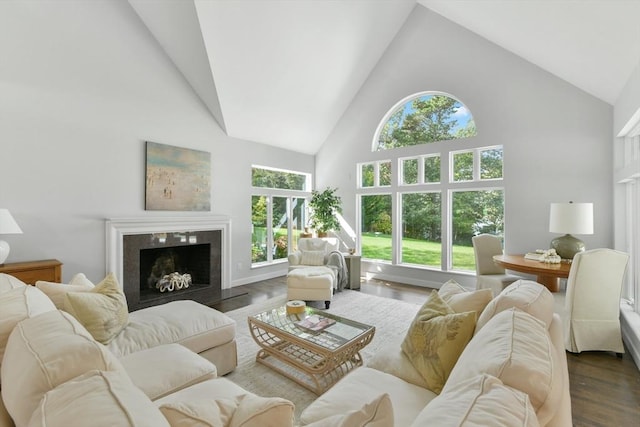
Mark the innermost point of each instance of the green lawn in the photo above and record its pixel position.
(416, 252)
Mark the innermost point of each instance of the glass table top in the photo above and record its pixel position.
(334, 332)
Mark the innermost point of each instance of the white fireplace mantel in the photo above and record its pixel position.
(116, 228)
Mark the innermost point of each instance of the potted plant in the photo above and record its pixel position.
(324, 205)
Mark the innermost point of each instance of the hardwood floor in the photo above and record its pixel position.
(605, 389)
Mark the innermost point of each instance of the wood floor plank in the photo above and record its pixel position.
(605, 389)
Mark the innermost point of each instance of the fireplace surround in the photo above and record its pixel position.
(141, 251)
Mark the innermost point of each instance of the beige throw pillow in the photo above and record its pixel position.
(461, 300)
(57, 291)
(436, 338)
(312, 258)
(377, 413)
(103, 310)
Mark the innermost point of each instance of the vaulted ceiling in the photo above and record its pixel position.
(282, 72)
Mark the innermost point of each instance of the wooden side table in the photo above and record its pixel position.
(353, 265)
(30, 272)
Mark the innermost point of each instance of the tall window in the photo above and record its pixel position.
(278, 212)
(437, 200)
(627, 176)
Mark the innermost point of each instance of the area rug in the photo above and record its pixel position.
(390, 317)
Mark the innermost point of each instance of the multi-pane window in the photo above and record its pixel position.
(438, 199)
(376, 174)
(278, 212)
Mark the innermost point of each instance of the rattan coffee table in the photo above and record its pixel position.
(315, 360)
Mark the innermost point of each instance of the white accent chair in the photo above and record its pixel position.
(592, 302)
(309, 277)
(490, 275)
(308, 252)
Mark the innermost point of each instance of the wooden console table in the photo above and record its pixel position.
(30, 272)
(547, 274)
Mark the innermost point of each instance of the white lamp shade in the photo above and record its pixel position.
(8, 225)
(571, 218)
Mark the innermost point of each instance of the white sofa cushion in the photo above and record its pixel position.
(185, 322)
(17, 304)
(363, 385)
(43, 352)
(8, 282)
(528, 296)
(479, 401)
(99, 399)
(392, 360)
(180, 368)
(377, 413)
(516, 348)
(56, 291)
(248, 409)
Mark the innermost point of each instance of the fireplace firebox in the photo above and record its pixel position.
(150, 258)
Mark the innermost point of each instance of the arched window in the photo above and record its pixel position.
(422, 119)
(421, 207)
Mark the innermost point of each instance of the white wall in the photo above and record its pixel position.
(82, 86)
(556, 138)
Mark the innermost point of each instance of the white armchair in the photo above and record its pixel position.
(592, 302)
(312, 251)
(488, 274)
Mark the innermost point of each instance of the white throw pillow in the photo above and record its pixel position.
(98, 399)
(247, 410)
(57, 291)
(526, 295)
(479, 401)
(461, 300)
(312, 258)
(377, 413)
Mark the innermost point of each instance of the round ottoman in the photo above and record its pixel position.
(310, 284)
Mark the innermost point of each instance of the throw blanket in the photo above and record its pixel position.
(336, 262)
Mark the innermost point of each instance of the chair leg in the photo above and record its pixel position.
(327, 304)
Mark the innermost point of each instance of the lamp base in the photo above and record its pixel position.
(567, 246)
(4, 251)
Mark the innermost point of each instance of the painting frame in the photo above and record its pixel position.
(177, 178)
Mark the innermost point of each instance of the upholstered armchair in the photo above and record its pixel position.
(489, 275)
(592, 302)
(312, 251)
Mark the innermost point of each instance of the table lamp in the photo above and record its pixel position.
(570, 218)
(8, 225)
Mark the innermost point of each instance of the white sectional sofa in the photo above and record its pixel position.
(54, 373)
(512, 372)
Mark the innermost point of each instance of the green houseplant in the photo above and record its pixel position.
(324, 207)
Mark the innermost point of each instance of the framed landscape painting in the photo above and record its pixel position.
(178, 179)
